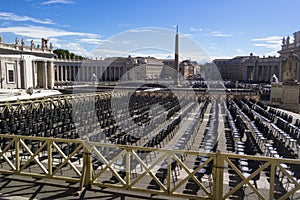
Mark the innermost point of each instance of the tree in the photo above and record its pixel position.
(63, 53)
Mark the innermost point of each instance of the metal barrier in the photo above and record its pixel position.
(50, 102)
(37, 157)
(147, 170)
(60, 100)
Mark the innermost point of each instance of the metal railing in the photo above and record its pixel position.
(147, 170)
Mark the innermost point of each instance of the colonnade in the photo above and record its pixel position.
(42, 74)
(65, 73)
(78, 72)
(261, 72)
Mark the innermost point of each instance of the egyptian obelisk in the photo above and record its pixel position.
(176, 63)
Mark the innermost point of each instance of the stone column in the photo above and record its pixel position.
(280, 71)
(256, 73)
(83, 73)
(111, 73)
(56, 71)
(66, 73)
(127, 72)
(122, 71)
(70, 72)
(96, 68)
(269, 73)
(18, 73)
(133, 73)
(297, 72)
(61, 72)
(45, 75)
(50, 73)
(245, 72)
(86, 71)
(62, 76)
(101, 73)
(107, 73)
(262, 73)
(80, 73)
(74, 73)
(34, 69)
(117, 73)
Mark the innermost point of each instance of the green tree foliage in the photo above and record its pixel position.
(63, 53)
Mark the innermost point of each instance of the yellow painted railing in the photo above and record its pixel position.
(148, 170)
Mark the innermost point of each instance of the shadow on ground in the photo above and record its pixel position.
(16, 187)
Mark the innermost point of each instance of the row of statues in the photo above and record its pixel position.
(44, 43)
(286, 41)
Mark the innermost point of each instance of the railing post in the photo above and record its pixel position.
(128, 170)
(50, 160)
(17, 152)
(272, 180)
(169, 171)
(87, 172)
(218, 176)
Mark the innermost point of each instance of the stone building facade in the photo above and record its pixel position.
(249, 68)
(290, 58)
(24, 66)
(290, 65)
(37, 66)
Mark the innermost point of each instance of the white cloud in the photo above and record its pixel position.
(141, 30)
(13, 17)
(239, 50)
(272, 42)
(91, 40)
(269, 46)
(57, 1)
(270, 39)
(76, 48)
(95, 41)
(185, 35)
(220, 34)
(104, 53)
(126, 42)
(196, 29)
(43, 32)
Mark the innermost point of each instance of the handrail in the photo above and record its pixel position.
(139, 164)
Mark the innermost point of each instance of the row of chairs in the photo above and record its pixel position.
(187, 139)
(182, 143)
(209, 144)
(277, 148)
(281, 114)
(247, 147)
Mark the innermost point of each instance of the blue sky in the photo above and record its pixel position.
(221, 28)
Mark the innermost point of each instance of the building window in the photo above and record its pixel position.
(11, 76)
(10, 72)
